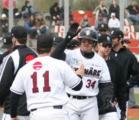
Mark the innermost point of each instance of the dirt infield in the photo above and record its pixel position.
(133, 113)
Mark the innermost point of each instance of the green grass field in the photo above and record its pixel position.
(134, 119)
(137, 100)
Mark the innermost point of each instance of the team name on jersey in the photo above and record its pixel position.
(91, 71)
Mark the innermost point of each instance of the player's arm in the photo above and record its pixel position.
(79, 73)
(78, 86)
(121, 88)
(17, 89)
(105, 95)
(72, 79)
(6, 79)
(134, 69)
(72, 32)
(14, 99)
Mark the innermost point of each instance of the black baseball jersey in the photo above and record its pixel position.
(20, 56)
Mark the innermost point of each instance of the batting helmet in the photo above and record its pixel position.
(88, 33)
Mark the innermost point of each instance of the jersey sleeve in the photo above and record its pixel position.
(105, 76)
(70, 78)
(18, 83)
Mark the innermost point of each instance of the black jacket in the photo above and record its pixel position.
(111, 92)
(20, 56)
(105, 98)
(4, 55)
(129, 64)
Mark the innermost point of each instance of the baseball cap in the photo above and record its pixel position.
(117, 34)
(102, 27)
(7, 40)
(45, 41)
(104, 39)
(19, 32)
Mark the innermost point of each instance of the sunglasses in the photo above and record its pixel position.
(105, 45)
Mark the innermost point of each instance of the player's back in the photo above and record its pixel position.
(44, 80)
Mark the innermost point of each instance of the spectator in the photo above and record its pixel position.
(114, 8)
(85, 22)
(102, 14)
(40, 25)
(4, 23)
(27, 9)
(114, 22)
(55, 13)
(29, 22)
(36, 25)
(133, 12)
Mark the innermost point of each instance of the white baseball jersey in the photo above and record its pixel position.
(43, 80)
(96, 71)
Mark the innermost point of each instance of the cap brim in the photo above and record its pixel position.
(88, 38)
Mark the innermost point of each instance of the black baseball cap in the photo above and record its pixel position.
(103, 27)
(7, 40)
(45, 41)
(104, 39)
(117, 34)
(19, 32)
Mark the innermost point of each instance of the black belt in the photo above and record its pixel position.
(79, 97)
(55, 107)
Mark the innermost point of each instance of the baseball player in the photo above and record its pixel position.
(19, 56)
(82, 104)
(114, 94)
(128, 62)
(43, 80)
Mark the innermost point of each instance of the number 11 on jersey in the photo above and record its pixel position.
(46, 87)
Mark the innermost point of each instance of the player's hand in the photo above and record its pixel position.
(72, 32)
(80, 70)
